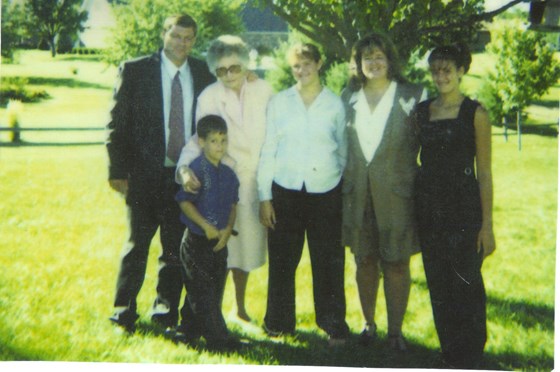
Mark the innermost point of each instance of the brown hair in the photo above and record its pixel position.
(183, 20)
(383, 43)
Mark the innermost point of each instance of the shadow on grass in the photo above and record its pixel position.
(508, 312)
(48, 144)
(64, 82)
(526, 315)
(551, 103)
(81, 57)
(546, 130)
(515, 361)
(309, 348)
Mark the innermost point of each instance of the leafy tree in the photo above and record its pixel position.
(139, 24)
(337, 24)
(51, 18)
(12, 19)
(527, 69)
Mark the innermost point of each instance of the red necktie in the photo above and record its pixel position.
(176, 121)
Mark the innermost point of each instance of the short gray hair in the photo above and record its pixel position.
(224, 46)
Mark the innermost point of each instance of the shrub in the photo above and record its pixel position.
(416, 71)
(280, 77)
(15, 88)
(336, 77)
(85, 51)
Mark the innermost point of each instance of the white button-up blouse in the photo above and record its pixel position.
(302, 145)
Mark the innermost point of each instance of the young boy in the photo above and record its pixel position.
(209, 216)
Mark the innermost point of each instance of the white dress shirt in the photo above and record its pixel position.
(168, 72)
(303, 145)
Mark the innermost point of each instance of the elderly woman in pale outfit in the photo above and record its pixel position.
(242, 104)
(378, 214)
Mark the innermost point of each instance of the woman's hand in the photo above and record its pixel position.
(189, 181)
(267, 215)
(486, 241)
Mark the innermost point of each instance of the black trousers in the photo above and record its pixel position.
(205, 273)
(318, 215)
(453, 273)
(150, 208)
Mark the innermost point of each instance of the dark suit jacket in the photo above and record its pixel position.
(136, 141)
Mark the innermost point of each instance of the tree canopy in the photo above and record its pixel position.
(12, 19)
(527, 70)
(140, 22)
(51, 18)
(412, 25)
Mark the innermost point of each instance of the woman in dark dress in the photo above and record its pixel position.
(454, 207)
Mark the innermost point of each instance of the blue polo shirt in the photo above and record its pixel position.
(218, 192)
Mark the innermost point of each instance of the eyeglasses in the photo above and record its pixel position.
(233, 69)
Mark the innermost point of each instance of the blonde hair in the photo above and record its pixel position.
(303, 50)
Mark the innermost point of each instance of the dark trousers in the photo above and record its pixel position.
(458, 298)
(149, 209)
(318, 215)
(205, 273)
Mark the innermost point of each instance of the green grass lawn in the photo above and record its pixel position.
(62, 230)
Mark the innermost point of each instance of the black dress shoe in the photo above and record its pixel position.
(368, 335)
(276, 332)
(164, 321)
(228, 344)
(125, 322)
(180, 336)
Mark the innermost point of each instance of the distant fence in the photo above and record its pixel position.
(16, 139)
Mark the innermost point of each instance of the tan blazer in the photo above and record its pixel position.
(390, 176)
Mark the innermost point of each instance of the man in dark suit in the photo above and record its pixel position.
(152, 118)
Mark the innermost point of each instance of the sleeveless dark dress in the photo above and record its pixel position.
(447, 193)
(448, 211)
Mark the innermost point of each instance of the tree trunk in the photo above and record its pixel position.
(519, 129)
(52, 44)
(504, 121)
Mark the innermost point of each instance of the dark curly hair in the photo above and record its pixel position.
(459, 54)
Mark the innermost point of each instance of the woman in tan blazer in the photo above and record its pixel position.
(378, 219)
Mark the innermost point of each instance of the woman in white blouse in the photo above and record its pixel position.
(378, 215)
(242, 103)
(299, 181)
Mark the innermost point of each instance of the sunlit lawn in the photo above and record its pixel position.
(62, 230)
